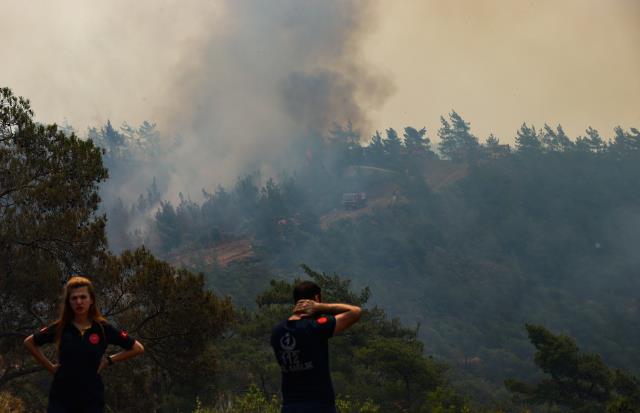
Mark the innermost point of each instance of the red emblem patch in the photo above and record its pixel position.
(124, 334)
(94, 338)
(322, 320)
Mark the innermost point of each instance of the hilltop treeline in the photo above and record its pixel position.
(256, 205)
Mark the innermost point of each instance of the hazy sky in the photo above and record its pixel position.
(502, 62)
(212, 66)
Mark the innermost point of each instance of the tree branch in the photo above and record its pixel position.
(11, 375)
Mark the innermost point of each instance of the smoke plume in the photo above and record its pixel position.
(276, 73)
(238, 82)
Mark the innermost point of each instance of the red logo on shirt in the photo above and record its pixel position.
(124, 334)
(322, 320)
(94, 338)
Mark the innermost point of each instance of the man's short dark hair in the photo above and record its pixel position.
(305, 290)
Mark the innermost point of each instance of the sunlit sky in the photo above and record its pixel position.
(497, 62)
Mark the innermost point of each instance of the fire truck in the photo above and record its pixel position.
(354, 200)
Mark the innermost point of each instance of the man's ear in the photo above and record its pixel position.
(317, 298)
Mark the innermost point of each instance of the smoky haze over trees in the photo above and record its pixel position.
(468, 238)
(229, 113)
(297, 74)
(465, 240)
(264, 142)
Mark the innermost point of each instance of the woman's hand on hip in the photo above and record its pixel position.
(54, 368)
(103, 364)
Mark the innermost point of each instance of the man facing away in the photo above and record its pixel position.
(301, 346)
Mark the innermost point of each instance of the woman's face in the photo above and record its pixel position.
(80, 300)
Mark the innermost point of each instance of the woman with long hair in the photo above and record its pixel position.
(81, 336)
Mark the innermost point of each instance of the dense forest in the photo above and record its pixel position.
(480, 266)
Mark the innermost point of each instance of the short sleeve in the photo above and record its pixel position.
(46, 335)
(325, 325)
(118, 337)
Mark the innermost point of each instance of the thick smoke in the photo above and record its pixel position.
(236, 83)
(235, 87)
(275, 74)
(241, 81)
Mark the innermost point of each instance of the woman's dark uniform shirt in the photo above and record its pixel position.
(77, 381)
(302, 350)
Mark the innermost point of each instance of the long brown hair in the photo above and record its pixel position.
(66, 312)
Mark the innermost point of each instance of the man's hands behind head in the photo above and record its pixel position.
(346, 315)
(306, 308)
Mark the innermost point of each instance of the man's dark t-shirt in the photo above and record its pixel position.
(302, 350)
(77, 380)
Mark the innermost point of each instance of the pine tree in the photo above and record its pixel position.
(447, 145)
(527, 140)
(556, 140)
(113, 139)
(375, 150)
(456, 140)
(591, 143)
(393, 144)
(625, 143)
(578, 381)
(493, 149)
(416, 142)
(492, 141)
(168, 226)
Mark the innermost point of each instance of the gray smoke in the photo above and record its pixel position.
(277, 73)
(237, 83)
(242, 88)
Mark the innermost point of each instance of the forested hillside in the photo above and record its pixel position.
(468, 241)
(457, 246)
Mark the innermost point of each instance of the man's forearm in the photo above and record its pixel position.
(336, 308)
(346, 315)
